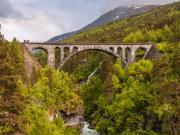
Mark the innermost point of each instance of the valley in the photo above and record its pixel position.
(113, 77)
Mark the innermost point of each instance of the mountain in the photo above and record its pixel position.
(120, 13)
(113, 15)
(157, 25)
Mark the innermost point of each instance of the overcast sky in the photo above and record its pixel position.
(39, 20)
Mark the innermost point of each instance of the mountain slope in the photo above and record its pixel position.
(113, 15)
(162, 26)
(120, 13)
(160, 21)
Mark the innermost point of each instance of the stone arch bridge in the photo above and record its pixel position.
(124, 51)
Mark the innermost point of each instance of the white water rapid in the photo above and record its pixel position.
(87, 131)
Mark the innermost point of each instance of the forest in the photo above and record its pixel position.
(142, 98)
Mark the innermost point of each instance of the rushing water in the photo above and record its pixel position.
(91, 75)
(87, 131)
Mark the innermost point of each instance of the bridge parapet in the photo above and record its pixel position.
(117, 50)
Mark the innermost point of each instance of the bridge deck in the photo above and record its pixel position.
(39, 43)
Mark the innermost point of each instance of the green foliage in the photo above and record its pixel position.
(54, 91)
(90, 93)
(41, 56)
(140, 132)
(132, 106)
(141, 69)
(119, 70)
(82, 71)
(5, 129)
(139, 99)
(140, 53)
(83, 64)
(166, 111)
(135, 37)
(38, 123)
(71, 131)
(97, 92)
(176, 60)
(159, 35)
(140, 105)
(145, 95)
(160, 24)
(166, 76)
(18, 54)
(11, 101)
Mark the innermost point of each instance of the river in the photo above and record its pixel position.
(87, 131)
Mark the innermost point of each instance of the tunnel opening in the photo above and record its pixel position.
(66, 52)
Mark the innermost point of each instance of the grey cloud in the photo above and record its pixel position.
(43, 19)
(7, 10)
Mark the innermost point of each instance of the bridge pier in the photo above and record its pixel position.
(51, 57)
(62, 54)
(116, 50)
(71, 50)
(123, 53)
(133, 55)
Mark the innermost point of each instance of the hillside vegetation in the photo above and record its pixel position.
(30, 98)
(142, 98)
(160, 24)
(11, 101)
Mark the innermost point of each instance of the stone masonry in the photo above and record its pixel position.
(125, 51)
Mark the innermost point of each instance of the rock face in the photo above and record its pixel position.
(153, 53)
(73, 120)
(30, 62)
(113, 15)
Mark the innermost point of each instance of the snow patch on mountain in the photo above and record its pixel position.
(116, 17)
(138, 6)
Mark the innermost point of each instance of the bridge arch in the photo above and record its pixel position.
(75, 49)
(120, 51)
(41, 55)
(109, 51)
(39, 48)
(140, 53)
(66, 51)
(57, 56)
(128, 54)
